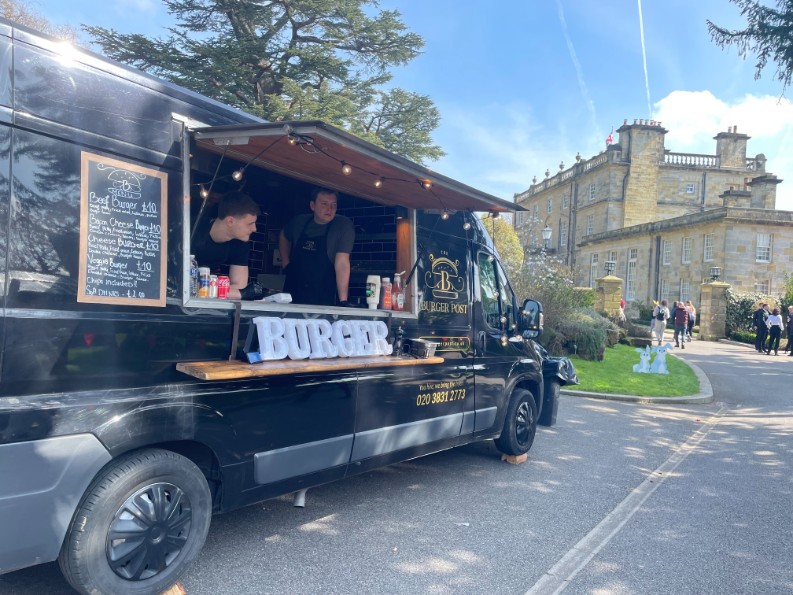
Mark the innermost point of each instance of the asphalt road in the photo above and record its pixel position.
(616, 498)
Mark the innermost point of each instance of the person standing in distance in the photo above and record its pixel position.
(224, 241)
(315, 252)
(761, 329)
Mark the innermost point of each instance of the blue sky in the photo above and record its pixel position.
(523, 85)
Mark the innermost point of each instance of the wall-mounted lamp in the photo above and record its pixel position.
(611, 266)
(546, 236)
(715, 273)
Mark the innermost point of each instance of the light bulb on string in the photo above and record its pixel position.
(444, 215)
(504, 340)
(378, 183)
(292, 139)
(236, 175)
(204, 193)
(426, 183)
(503, 320)
(346, 169)
(466, 225)
(490, 258)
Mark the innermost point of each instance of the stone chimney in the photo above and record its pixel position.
(764, 191)
(642, 146)
(731, 148)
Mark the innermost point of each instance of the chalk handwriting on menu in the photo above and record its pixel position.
(122, 233)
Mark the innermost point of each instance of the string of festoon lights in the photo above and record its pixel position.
(306, 143)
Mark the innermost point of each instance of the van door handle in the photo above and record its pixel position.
(481, 339)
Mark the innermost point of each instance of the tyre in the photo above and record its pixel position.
(138, 526)
(520, 424)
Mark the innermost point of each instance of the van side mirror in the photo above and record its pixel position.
(531, 319)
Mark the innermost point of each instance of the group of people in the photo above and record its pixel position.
(768, 328)
(683, 316)
(315, 248)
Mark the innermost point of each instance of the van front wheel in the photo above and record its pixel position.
(139, 525)
(520, 424)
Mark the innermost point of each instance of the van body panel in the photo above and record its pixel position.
(291, 461)
(43, 481)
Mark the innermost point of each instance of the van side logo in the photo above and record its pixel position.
(444, 278)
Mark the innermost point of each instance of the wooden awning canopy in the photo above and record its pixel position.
(316, 152)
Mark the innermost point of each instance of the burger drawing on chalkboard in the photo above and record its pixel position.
(125, 183)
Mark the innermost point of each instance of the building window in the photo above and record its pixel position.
(686, 255)
(591, 192)
(690, 188)
(666, 250)
(613, 257)
(590, 224)
(630, 277)
(763, 287)
(550, 206)
(763, 247)
(563, 235)
(565, 200)
(593, 270)
(664, 290)
(685, 290)
(536, 212)
(707, 254)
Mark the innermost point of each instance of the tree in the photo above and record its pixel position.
(507, 244)
(768, 35)
(292, 59)
(20, 12)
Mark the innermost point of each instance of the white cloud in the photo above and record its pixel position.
(694, 118)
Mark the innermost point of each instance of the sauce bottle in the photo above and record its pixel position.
(398, 293)
(385, 293)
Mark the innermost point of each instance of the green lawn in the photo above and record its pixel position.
(615, 375)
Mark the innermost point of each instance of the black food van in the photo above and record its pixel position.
(128, 412)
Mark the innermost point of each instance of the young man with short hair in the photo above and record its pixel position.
(315, 252)
(224, 241)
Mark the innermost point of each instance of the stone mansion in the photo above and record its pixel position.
(665, 219)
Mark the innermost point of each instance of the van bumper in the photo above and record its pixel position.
(41, 484)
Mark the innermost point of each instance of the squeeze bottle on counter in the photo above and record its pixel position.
(372, 291)
(385, 293)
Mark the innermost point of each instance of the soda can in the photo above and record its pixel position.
(203, 281)
(213, 286)
(223, 286)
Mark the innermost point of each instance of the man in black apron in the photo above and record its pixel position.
(315, 253)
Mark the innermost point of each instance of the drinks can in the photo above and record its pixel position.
(203, 281)
(213, 286)
(223, 286)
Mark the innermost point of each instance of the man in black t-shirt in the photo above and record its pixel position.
(315, 252)
(224, 240)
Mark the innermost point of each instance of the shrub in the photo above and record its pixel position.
(743, 337)
(584, 332)
(740, 307)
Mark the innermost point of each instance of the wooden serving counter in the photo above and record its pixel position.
(232, 370)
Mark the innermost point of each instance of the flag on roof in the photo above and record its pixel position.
(610, 137)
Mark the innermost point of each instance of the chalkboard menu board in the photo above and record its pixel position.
(123, 233)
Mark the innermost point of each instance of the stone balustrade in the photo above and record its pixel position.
(692, 160)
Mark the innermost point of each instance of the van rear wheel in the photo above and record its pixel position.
(138, 526)
(520, 424)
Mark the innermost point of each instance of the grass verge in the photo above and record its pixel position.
(615, 375)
